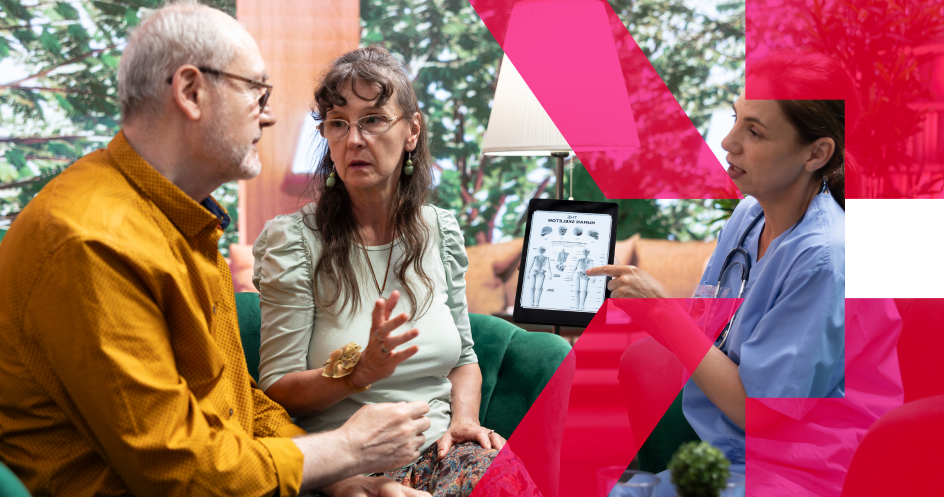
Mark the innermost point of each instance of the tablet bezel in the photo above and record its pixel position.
(553, 317)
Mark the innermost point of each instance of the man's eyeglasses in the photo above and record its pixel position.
(258, 84)
(373, 124)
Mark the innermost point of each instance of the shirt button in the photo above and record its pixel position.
(231, 412)
(214, 309)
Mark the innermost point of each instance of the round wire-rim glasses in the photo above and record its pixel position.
(374, 124)
(262, 100)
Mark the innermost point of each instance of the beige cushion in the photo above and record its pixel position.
(493, 276)
(676, 265)
(240, 265)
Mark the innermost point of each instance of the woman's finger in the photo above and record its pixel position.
(387, 326)
(390, 303)
(398, 357)
(377, 315)
(497, 441)
(445, 443)
(482, 438)
(392, 342)
(609, 270)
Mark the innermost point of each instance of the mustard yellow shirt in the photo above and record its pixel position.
(121, 366)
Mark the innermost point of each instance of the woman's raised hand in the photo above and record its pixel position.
(378, 360)
(629, 282)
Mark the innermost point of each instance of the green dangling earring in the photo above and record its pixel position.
(408, 170)
(330, 181)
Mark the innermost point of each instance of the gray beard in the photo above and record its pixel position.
(233, 157)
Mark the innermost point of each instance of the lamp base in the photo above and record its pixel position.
(560, 172)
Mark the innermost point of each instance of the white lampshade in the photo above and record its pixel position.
(558, 43)
(518, 124)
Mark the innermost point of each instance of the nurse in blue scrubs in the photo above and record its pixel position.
(787, 338)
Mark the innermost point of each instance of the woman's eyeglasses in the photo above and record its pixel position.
(373, 124)
(262, 100)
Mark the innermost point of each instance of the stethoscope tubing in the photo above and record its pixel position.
(746, 266)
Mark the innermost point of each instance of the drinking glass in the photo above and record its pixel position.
(607, 477)
(636, 484)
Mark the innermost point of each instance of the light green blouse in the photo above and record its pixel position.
(297, 336)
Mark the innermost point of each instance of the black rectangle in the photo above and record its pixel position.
(561, 317)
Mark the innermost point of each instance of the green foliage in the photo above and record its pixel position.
(876, 42)
(31, 188)
(455, 60)
(73, 49)
(699, 469)
(682, 220)
(700, 59)
(227, 196)
(68, 105)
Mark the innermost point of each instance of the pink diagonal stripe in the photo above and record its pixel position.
(597, 432)
(598, 87)
(793, 445)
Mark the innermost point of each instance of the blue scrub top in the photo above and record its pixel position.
(788, 339)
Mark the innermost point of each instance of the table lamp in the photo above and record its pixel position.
(588, 97)
(518, 124)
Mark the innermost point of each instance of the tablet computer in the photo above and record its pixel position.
(563, 238)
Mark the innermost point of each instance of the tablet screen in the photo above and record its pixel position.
(560, 248)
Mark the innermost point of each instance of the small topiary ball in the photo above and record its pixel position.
(699, 469)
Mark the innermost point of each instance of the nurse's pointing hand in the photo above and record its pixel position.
(629, 282)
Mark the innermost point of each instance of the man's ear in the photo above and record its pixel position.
(190, 91)
(820, 152)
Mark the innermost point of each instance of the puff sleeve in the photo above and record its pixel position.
(456, 263)
(282, 273)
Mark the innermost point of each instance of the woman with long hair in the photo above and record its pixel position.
(371, 238)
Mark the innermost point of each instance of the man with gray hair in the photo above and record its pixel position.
(122, 370)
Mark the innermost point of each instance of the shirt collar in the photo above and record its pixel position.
(189, 216)
(217, 210)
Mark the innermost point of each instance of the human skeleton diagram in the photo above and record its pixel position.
(537, 273)
(562, 259)
(582, 280)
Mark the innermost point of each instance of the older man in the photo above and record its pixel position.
(121, 369)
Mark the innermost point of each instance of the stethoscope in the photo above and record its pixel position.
(729, 262)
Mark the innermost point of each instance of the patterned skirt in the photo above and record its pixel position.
(462, 468)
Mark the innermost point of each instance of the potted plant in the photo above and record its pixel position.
(699, 469)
